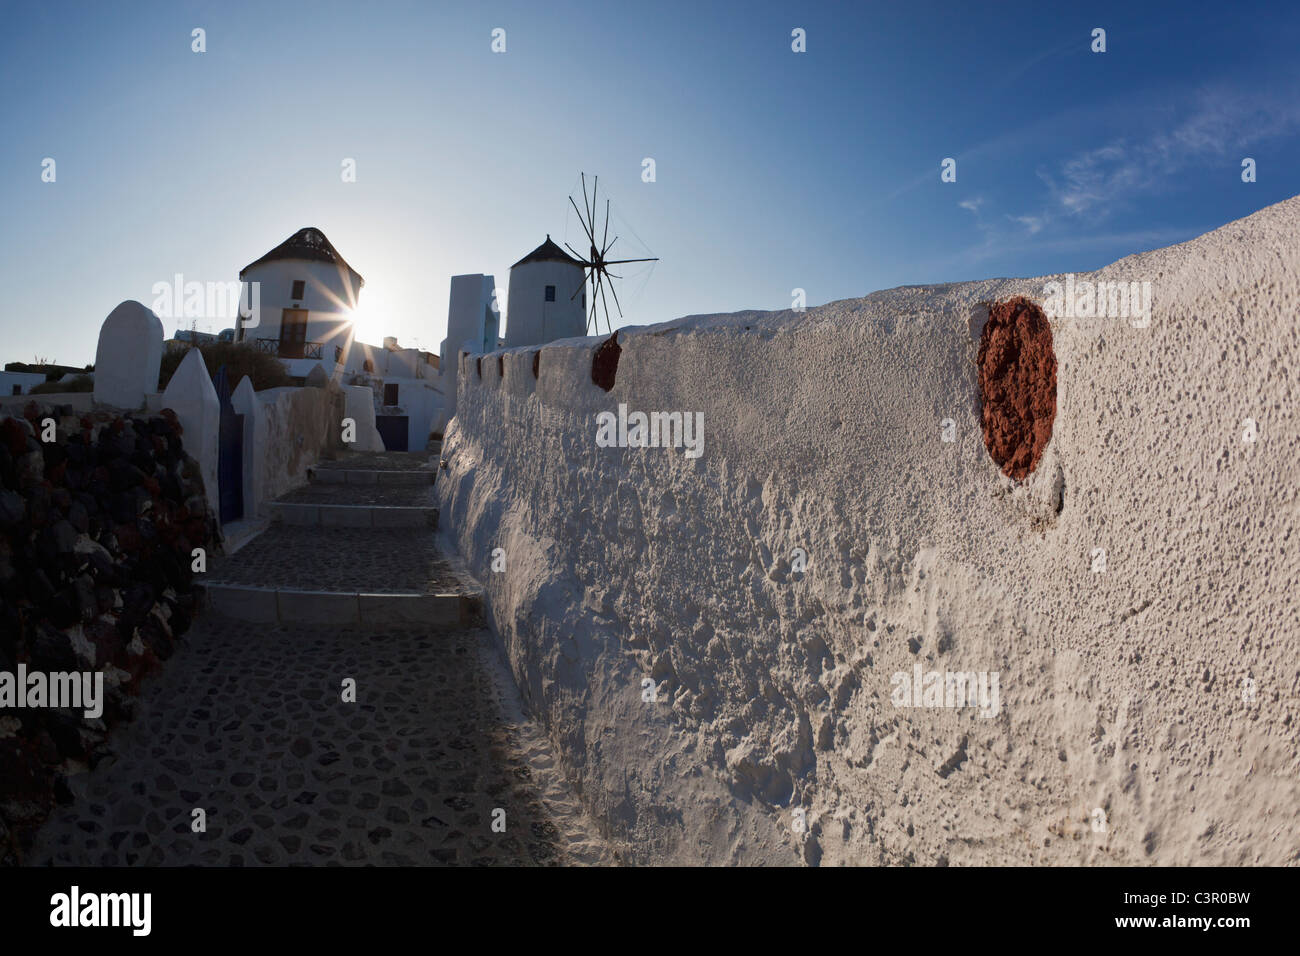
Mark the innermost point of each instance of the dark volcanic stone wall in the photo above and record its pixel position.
(97, 529)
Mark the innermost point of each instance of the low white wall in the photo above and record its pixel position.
(360, 407)
(1121, 691)
(296, 428)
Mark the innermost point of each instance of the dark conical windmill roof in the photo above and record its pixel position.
(547, 252)
(307, 244)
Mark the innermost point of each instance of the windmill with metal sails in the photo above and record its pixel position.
(597, 261)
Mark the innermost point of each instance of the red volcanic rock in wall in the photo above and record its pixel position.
(1017, 379)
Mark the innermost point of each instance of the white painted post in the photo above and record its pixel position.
(360, 407)
(128, 356)
(191, 396)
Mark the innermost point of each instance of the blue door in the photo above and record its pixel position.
(393, 429)
(230, 454)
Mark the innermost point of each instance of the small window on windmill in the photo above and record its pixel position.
(390, 394)
(550, 293)
(298, 286)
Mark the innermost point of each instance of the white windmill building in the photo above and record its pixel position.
(547, 298)
(307, 295)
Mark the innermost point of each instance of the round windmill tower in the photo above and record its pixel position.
(541, 305)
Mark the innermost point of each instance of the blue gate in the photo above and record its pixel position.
(230, 454)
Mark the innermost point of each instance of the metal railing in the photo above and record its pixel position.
(294, 350)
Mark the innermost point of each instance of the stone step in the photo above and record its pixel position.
(348, 560)
(416, 495)
(378, 505)
(283, 605)
(352, 516)
(236, 534)
(370, 476)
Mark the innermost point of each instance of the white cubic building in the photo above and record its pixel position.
(19, 383)
(406, 387)
(473, 325)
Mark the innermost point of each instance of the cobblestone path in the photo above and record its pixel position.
(248, 723)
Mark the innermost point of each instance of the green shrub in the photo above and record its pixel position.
(239, 358)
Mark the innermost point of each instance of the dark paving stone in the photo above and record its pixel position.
(250, 678)
(370, 560)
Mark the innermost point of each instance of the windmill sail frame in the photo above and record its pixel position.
(595, 264)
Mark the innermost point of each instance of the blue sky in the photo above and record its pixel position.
(775, 170)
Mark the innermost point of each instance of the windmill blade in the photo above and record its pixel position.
(605, 248)
(597, 273)
(590, 312)
(591, 209)
(578, 257)
(582, 222)
(605, 301)
(580, 217)
(614, 293)
(580, 287)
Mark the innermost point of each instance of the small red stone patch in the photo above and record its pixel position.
(604, 363)
(1017, 378)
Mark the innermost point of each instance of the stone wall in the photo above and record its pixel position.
(97, 530)
(714, 643)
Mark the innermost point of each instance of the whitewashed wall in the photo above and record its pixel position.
(823, 432)
(296, 428)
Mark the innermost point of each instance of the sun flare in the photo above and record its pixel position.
(366, 326)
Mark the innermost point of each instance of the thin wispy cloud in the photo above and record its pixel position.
(1032, 224)
(1223, 124)
(1218, 127)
